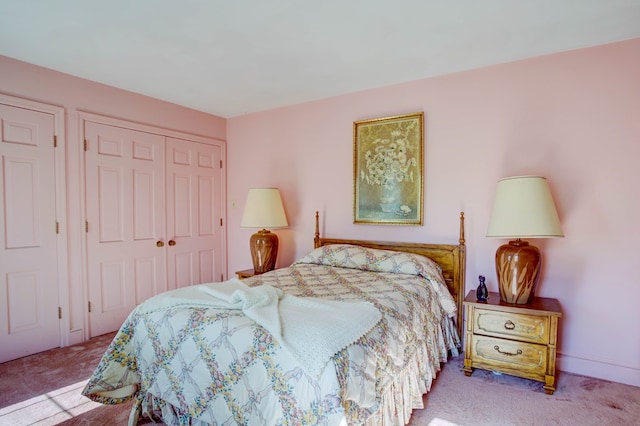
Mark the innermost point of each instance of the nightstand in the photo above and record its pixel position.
(247, 273)
(519, 340)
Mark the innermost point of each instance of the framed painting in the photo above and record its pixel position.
(388, 170)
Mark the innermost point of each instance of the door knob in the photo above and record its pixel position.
(159, 244)
(172, 243)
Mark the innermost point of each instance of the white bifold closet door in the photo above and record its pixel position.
(29, 288)
(152, 209)
(193, 213)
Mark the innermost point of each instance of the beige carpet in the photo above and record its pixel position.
(44, 389)
(489, 399)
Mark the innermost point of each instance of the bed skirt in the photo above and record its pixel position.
(404, 394)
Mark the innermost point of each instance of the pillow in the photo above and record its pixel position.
(377, 260)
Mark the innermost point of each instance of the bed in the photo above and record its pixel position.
(354, 332)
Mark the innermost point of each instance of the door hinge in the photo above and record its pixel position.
(221, 277)
(55, 141)
(220, 221)
(220, 163)
(86, 226)
(89, 306)
(57, 227)
(85, 145)
(59, 312)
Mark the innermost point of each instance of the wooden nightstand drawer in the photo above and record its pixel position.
(528, 328)
(527, 359)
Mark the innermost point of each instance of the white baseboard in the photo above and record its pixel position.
(598, 369)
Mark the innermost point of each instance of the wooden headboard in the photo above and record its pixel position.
(451, 259)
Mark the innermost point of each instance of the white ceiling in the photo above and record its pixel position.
(233, 57)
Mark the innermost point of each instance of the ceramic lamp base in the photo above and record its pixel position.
(264, 251)
(518, 269)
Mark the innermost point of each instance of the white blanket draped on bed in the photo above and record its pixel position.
(312, 330)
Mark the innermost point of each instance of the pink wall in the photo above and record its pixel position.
(573, 117)
(74, 94)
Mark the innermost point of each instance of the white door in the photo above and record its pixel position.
(29, 287)
(194, 213)
(125, 222)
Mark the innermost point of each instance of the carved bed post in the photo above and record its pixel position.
(462, 260)
(316, 238)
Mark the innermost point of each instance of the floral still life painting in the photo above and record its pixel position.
(388, 170)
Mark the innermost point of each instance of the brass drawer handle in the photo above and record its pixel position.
(509, 325)
(518, 352)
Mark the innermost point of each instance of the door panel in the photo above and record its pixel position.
(29, 289)
(145, 272)
(125, 214)
(194, 192)
(181, 262)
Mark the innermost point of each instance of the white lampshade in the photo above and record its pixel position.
(524, 208)
(263, 209)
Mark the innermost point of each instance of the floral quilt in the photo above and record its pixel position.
(194, 364)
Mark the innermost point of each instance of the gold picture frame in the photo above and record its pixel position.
(388, 170)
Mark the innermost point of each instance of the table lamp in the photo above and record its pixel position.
(523, 208)
(263, 209)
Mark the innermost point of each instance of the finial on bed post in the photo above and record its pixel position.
(316, 238)
(461, 228)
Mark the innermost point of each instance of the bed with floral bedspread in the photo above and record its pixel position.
(191, 363)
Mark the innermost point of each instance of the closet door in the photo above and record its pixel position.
(194, 206)
(125, 204)
(29, 289)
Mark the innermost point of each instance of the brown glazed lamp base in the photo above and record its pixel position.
(264, 250)
(518, 268)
